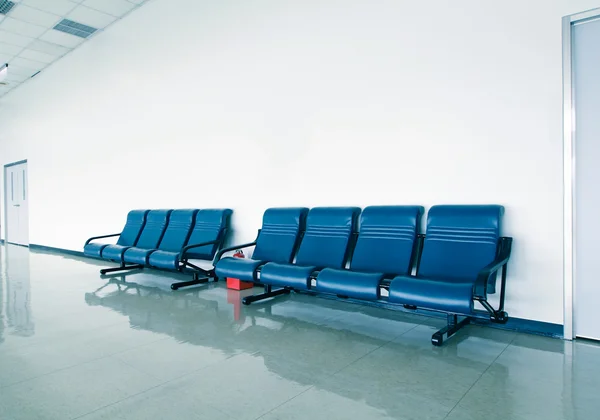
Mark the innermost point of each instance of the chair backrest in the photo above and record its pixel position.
(280, 234)
(156, 222)
(136, 219)
(386, 239)
(178, 230)
(328, 236)
(210, 225)
(460, 241)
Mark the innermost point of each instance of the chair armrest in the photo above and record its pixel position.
(101, 237)
(500, 261)
(233, 248)
(188, 247)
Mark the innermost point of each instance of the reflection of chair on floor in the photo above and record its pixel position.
(204, 317)
(290, 333)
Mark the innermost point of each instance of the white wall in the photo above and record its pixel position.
(197, 103)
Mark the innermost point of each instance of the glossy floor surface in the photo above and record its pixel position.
(76, 346)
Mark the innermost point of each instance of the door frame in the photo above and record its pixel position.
(569, 165)
(5, 207)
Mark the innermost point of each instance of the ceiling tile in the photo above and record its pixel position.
(48, 48)
(5, 58)
(31, 15)
(58, 7)
(28, 64)
(14, 78)
(91, 17)
(61, 38)
(112, 7)
(38, 56)
(9, 49)
(22, 28)
(4, 90)
(23, 71)
(14, 39)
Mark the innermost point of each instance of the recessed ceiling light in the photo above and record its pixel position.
(3, 73)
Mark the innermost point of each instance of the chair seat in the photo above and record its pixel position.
(353, 284)
(447, 296)
(114, 252)
(137, 255)
(286, 275)
(238, 268)
(164, 259)
(94, 249)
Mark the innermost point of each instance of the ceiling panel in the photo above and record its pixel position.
(36, 16)
(23, 71)
(61, 38)
(91, 17)
(5, 58)
(48, 47)
(113, 7)
(29, 43)
(28, 64)
(14, 78)
(14, 39)
(58, 7)
(38, 56)
(23, 28)
(9, 49)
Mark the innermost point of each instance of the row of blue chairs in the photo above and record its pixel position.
(167, 240)
(379, 255)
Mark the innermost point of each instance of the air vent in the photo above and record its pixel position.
(6, 6)
(74, 28)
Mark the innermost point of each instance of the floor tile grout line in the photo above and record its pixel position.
(82, 363)
(53, 340)
(181, 376)
(156, 386)
(121, 400)
(338, 371)
(480, 376)
(283, 403)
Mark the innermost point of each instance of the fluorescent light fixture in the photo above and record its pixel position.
(3, 71)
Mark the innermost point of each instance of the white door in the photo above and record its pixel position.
(586, 91)
(17, 207)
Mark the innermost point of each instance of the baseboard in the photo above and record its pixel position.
(527, 326)
(43, 248)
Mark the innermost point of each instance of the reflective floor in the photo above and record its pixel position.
(74, 345)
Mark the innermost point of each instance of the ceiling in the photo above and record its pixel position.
(29, 41)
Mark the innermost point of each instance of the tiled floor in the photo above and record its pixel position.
(73, 345)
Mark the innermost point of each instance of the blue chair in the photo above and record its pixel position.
(326, 243)
(136, 219)
(205, 239)
(385, 247)
(462, 252)
(152, 233)
(175, 235)
(277, 241)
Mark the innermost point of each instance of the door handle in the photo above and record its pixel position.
(17, 205)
